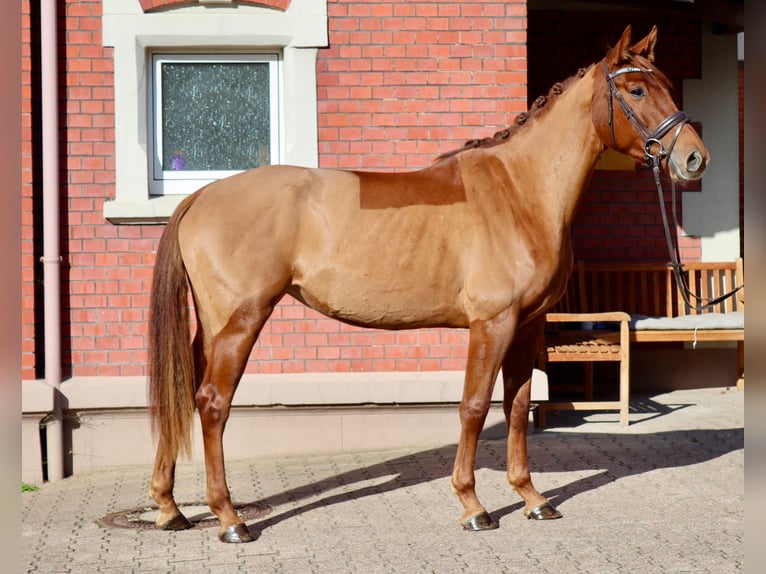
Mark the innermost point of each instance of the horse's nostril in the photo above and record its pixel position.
(694, 162)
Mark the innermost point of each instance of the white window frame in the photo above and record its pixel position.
(134, 35)
(185, 182)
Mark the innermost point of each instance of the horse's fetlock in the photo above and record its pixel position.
(519, 480)
(159, 492)
(462, 485)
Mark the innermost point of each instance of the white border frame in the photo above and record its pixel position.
(297, 33)
(163, 182)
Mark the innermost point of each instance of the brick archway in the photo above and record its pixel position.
(150, 5)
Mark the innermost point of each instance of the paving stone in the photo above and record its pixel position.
(665, 494)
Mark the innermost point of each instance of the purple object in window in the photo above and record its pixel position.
(177, 163)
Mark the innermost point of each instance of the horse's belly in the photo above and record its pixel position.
(360, 301)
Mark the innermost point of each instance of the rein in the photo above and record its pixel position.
(652, 140)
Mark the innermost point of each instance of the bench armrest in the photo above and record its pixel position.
(582, 317)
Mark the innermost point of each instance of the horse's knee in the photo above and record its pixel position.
(521, 401)
(520, 398)
(516, 411)
(473, 411)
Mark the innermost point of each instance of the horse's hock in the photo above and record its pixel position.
(609, 307)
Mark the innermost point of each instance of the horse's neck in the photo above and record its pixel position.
(556, 154)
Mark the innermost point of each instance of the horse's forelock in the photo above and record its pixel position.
(641, 62)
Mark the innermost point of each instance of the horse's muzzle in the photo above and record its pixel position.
(688, 166)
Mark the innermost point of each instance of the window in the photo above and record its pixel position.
(212, 116)
(191, 41)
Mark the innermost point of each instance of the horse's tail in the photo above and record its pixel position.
(172, 377)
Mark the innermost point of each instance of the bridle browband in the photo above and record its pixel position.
(652, 139)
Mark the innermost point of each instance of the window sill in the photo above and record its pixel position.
(157, 209)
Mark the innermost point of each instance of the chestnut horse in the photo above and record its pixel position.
(478, 240)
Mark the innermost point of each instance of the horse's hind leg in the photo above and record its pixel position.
(517, 379)
(229, 351)
(161, 490)
(163, 476)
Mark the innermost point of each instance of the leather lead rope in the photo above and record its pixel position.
(675, 259)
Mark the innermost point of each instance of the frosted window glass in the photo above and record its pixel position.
(215, 116)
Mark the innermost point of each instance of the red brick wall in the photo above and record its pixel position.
(619, 217)
(400, 83)
(404, 81)
(28, 269)
(106, 270)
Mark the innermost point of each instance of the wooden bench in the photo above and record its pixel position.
(609, 307)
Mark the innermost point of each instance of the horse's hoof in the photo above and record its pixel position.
(479, 522)
(545, 511)
(178, 522)
(236, 534)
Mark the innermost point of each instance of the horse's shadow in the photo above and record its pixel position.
(616, 455)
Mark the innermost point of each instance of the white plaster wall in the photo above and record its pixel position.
(713, 213)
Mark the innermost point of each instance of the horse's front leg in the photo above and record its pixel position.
(487, 345)
(517, 380)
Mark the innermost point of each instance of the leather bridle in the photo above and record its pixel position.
(650, 138)
(654, 153)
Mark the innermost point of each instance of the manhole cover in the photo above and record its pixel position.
(198, 513)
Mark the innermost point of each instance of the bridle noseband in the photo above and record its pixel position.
(651, 140)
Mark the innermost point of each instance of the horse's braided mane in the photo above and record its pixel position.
(522, 119)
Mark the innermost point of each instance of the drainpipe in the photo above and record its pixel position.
(51, 258)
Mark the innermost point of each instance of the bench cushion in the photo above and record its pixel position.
(734, 320)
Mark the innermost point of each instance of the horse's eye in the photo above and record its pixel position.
(637, 92)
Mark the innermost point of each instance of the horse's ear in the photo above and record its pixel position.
(621, 52)
(646, 46)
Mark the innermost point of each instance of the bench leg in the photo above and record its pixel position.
(740, 365)
(624, 382)
(588, 381)
(540, 416)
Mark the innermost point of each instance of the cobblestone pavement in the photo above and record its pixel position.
(665, 494)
